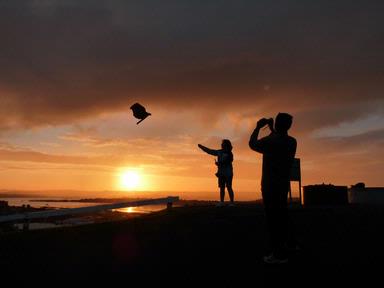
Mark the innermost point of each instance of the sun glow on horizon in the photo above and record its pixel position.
(130, 179)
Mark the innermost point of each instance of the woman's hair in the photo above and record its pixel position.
(226, 145)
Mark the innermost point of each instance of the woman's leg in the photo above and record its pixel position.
(230, 190)
(221, 180)
(230, 193)
(222, 193)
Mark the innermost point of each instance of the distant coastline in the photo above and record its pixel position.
(88, 200)
(87, 194)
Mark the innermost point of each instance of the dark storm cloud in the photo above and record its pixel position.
(61, 61)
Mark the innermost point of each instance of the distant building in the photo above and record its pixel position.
(359, 194)
(325, 195)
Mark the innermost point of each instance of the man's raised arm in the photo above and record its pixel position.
(253, 141)
(256, 144)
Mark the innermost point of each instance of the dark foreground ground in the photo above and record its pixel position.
(202, 246)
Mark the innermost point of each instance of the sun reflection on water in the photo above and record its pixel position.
(127, 210)
(142, 209)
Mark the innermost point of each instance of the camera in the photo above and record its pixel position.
(264, 121)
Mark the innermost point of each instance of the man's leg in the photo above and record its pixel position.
(270, 217)
(281, 225)
(280, 233)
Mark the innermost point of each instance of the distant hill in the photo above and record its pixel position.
(18, 195)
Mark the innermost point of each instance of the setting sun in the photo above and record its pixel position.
(129, 180)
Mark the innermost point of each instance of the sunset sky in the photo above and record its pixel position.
(206, 70)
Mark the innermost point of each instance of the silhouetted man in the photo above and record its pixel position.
(278, 151)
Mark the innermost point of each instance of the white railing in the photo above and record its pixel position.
(26, 217)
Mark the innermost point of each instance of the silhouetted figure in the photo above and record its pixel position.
(278, 151)
(224, 168)
(139, 112)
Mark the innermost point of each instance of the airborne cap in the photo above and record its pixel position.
(139, 112)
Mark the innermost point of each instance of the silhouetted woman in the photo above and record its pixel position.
(224, 168)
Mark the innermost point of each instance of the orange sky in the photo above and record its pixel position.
(91, 154)
(206, 71)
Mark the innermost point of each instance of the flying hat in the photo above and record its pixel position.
(139, 112)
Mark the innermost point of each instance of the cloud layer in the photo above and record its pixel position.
(65, 61)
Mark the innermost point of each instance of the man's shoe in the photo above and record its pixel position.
(271, 259)
(293, 247)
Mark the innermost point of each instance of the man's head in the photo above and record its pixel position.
(283, 122)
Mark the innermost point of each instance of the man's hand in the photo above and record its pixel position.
(270, 124)
(261, 123)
